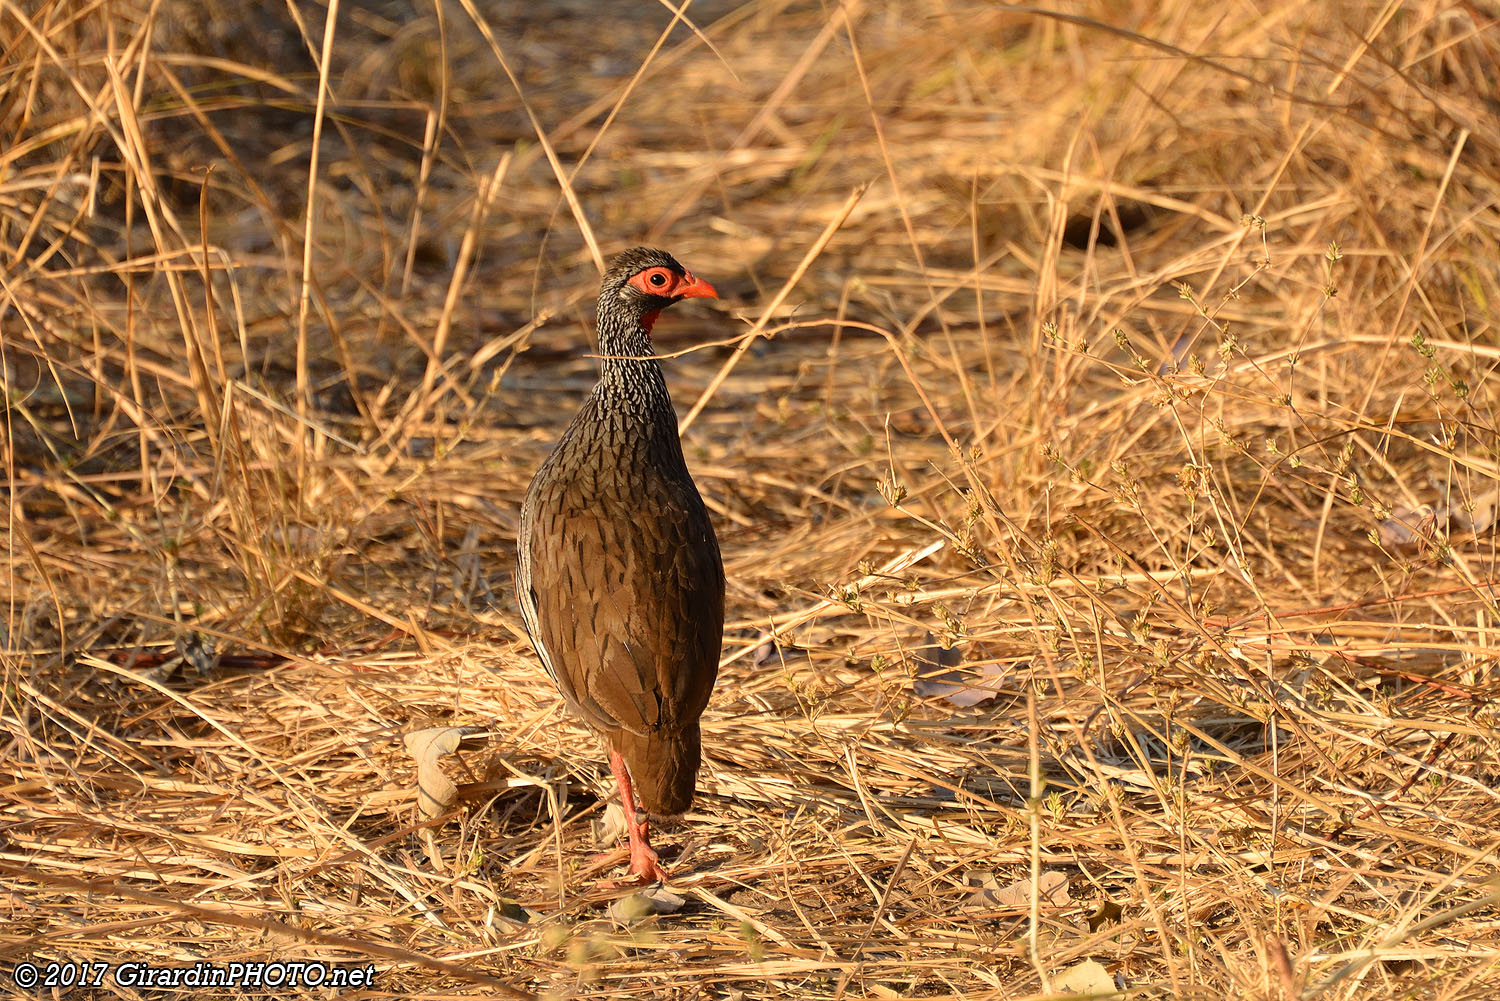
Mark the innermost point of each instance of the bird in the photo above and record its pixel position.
(618, 572)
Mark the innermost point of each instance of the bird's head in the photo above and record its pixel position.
(642, 282)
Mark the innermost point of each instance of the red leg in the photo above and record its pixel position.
(643, 866)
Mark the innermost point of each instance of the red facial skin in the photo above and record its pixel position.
(669, 284)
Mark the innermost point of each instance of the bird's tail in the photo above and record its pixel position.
(663, 767)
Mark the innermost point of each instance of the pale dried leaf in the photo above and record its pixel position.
(198, 651)
(1088, 978)
(772, 651)
(1407, 525)
(304, 538)
(988, 893)
(509, 911)
(932, 657)
(611, 828)
(1483, 517)
(955, 689)
(1136, 777)
(937, 675)
(645, 903)
(436, 792)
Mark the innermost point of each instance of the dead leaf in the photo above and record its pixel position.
(198, 650)
(299, 538)
(611, 827)
(436, 792)
(1001, 788)
(1421, 526)
(1409, 526)
(936, 678)
(509, 910)
(1182, 350)
(645, 903)
(932, 657)
(194, 649)
(1138, 778)
(771, 650)
(1052, 890)
(1108, 912)
(1483, 516)
(1088, 977)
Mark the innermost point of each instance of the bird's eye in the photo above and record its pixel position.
(658, 279)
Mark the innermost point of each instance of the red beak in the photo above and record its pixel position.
(694, 288)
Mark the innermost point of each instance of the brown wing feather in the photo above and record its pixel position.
(629, 608)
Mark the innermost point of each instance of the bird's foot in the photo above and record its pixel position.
(645, 868)
(635, 880)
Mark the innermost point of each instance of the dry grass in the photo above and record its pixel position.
(1152, 367)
